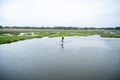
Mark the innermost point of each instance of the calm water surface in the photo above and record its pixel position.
(77, 58)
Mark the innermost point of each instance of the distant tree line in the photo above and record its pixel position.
(59, 27)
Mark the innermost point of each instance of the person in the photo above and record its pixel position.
(62, 38)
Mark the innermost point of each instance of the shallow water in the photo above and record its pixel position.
(77, 58)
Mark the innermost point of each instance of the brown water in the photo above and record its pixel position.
(77, 58)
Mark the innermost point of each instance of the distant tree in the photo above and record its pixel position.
(7, 27)
(1, 26)
(117, 28)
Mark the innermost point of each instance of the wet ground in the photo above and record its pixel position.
(77, 58)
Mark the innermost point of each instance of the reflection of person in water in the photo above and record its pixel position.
(62, 45)
(62, 38)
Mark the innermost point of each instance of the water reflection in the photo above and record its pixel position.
(93, 58)
(62, 44)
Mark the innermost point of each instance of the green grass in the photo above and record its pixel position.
(4, 38)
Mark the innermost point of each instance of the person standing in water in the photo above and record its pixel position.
(62, 38)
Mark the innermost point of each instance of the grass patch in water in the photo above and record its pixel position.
(51, 33)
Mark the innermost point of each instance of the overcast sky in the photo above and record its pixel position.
(81, 13)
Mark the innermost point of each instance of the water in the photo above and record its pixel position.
(77, 58)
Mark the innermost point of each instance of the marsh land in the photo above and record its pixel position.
(13, 35)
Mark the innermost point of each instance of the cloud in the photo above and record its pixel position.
(60, 12)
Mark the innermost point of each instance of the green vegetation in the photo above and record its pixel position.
(12, 35)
